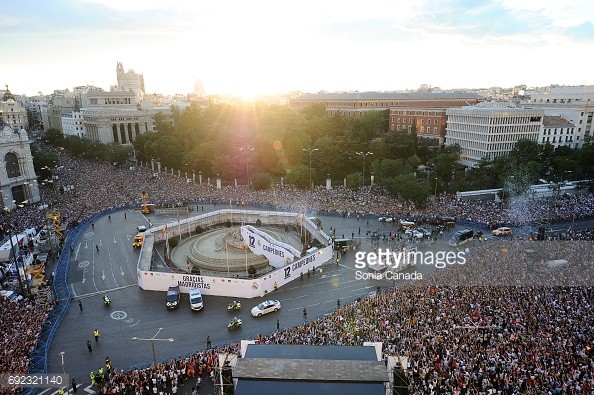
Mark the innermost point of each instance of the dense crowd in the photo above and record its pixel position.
(81, 188)
(524, 337)
(20, 325)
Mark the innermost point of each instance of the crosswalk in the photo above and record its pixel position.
(84, 391)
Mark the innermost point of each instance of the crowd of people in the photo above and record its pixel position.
(21, 323)
(80, 188)
(458, 336)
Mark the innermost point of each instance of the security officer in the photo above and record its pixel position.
(92, 376)
(107, 365)
(101, 374)
(96, 334)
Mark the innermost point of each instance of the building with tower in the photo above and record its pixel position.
(129, 80)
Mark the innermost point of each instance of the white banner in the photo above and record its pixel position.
(259, 243)
(235, 287)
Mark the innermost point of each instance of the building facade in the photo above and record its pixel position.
(430, 123)
(574, 103)
(490, 129)
(558, 132)
(114, 117)
(12, 112)
(73, 124)
(358, 103)
(62, 102)
(18, 182)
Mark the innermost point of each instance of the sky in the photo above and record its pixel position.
(251, 48)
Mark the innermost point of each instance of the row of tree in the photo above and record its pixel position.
(262, 143)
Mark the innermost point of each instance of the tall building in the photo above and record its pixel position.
(490, 129)
(18, 182)
(129, 80)
(574, 103)
(12, 112)
(62, 102)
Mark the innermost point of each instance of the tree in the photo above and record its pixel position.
(400, 144)
(261, 181)
(446, 162)
(299, 176)
(407, 187)
(586, 160)
(54, 137)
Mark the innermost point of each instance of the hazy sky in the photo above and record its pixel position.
(261, 46)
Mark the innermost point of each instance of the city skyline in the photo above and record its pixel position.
(250, 49)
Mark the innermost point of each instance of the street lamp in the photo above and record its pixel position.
(153, 340)
(247, 151)
(311, 151)
(63, 369)
(364, 155)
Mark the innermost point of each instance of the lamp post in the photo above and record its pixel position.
(153, 340)
(311, 151)
(63, 368)
(364, 155)
(247, 150)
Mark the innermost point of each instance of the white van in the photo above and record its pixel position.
(196, 302)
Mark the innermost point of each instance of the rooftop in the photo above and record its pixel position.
(389, 96)
(549, 120)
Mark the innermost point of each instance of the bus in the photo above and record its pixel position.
(461, 237)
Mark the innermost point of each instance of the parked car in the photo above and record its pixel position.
(503, 231)
(141, 228)
(266, 307)
(172, 298)
(196, 302)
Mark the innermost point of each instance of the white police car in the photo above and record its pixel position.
(266, 307)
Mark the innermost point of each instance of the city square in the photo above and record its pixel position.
(393, 198)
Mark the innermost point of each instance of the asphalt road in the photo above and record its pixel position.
(134, 312)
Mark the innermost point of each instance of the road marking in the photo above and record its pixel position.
(77, 250)
(83, 264)
(102, 275)
(118, 315)
(91, 294)
(136, 323)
